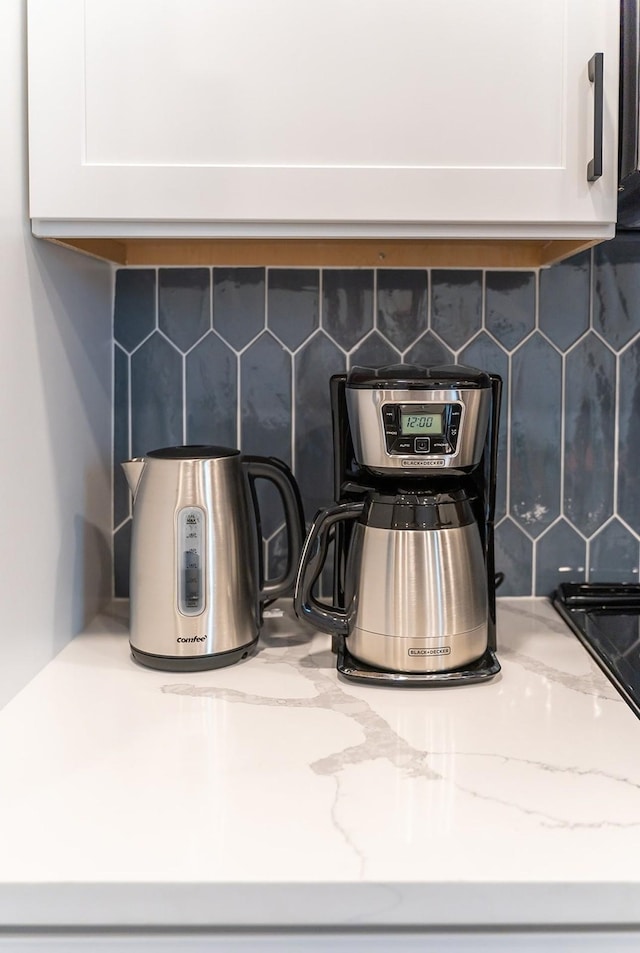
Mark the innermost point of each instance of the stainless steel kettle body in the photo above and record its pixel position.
(196, 591)
(415, 587)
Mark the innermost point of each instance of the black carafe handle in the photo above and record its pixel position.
(327, 618)
(278, 473)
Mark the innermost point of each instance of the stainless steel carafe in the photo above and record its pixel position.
(415, 581)
(196, 591)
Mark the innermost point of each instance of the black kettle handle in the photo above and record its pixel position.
(327, 618)
(278, 473)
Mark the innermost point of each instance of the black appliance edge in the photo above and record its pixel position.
(574, 601)
(484, 668)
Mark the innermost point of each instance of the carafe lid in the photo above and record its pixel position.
(418, 377)
(420, 496)
(407, 510)
(194, 451)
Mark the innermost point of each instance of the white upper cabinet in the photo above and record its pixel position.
(405, 118)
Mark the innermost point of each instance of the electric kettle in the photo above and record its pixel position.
(196, 586)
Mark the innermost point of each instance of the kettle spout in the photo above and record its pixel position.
(133, 471)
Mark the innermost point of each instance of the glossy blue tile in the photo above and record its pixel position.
(629, 437)
(238, 304)
(510, 312)
(456, 305)
(563, 309)
(403, 306)
(325, 582)
(184, 304)
(560, 557)
(265, 398)
(314, 365)
(293, 304)
(614, 554)
(483, 352)
(265, 416)
(347, 305)
(536, 418)
(156, 396)
(277, 395)
(275, 549)
(589, 421)
(121, 560)
(121, 494)
(514, 558)
(616, 308)
(134, 313)
(211, 393)
(428, 350)
(374, 352)
(270, 509)
(276, 554)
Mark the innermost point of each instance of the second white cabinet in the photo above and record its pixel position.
(405, 118)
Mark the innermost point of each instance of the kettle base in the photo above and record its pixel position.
(353, 669)
(194, 663)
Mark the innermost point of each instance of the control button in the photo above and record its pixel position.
(390, 440)
(404, 445)
(423, 444)
(391, 432)
(440, 446)
(389, 416)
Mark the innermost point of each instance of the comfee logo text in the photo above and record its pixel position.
(196, 638)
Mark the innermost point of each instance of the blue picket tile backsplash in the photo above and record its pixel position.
(242, 357)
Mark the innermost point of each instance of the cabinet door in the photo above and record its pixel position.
(420, 117)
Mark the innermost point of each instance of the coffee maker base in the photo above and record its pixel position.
(482, 669)
(194, 663)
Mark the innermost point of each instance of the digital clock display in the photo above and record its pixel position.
(420, 423)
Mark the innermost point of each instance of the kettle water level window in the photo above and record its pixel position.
(190, 560)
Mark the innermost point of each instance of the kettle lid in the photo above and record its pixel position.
(194, 451)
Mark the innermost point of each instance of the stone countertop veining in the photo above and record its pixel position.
(273, 792)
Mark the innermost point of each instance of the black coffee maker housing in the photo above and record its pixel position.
(424, 458)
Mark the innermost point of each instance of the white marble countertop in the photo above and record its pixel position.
(274, 793)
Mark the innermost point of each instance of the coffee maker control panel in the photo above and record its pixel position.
(421, 428)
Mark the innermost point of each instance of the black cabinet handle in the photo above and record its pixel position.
(596, 76)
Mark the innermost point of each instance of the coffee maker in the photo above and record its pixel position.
(414, 582)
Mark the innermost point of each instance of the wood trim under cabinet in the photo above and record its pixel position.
(330, 253)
